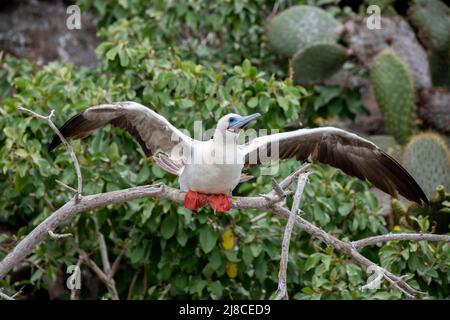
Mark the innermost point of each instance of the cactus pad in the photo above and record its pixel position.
(318, 62)
(427, 159)
(395, 95)
(300, 26)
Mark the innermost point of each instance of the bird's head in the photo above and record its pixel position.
(234, 123)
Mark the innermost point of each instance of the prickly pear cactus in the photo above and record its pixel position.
(395, 95)
(427, 159)
(318, 62)
(432, 19)
(300, 26)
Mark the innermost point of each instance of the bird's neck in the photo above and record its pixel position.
(224, 138)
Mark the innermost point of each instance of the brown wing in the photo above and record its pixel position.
(152, 131)
(352, 154)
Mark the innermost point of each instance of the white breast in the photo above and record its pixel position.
(212, 173)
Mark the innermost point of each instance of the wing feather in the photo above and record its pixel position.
(349, 152)
(152, 131)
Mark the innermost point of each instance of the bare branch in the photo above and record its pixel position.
(282, 293)
(165, 291)
(57, 236)
(116, 263)
(347, 249)
(258, 217)
(104, 254)
(73, 207)
(294, 176)
(277, 188)
(399, 237)
(106, 279)
(66, 186)
(68, 146)
(74, 293)
(375, 282)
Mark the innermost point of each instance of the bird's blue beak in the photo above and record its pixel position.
(243, 121)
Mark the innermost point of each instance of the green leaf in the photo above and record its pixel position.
(124, 59)
(207, 238)
(345, 208)
(136, 254)
(36, 275)
(255, 249)
(168, 226)
(353, 273)
(312, 261)
(111, 54)
(216, 289)
(253, 102)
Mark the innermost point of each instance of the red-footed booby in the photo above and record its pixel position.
(209, 170)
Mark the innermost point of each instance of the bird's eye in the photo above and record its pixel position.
(231, 120)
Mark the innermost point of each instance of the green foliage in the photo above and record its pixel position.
(317, 62)
(431, 18)
(427, 158)
(298, 27)
(394, 91)
(332, 101)
(216, 33)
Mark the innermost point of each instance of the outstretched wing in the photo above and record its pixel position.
(153, 132)
(341, 149)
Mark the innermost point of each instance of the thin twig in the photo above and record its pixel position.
(258, 217)
(106, 278)
(66, 186)
(74, 292)
(116, 263)
(57, 236)
(282, 293)
(347, 249)
(64, 141)
(277, 188)
(165, 291)
(104, 254)
(399, 237)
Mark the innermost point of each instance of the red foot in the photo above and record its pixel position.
(219, 202)
(196, 200)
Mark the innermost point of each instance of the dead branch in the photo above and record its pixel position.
(57, 236)
(399, 237)
(282, 293)
(68, 146)
(106, 278)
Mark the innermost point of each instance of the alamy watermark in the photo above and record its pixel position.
(73, 21)
(74, 280)
(373, 22)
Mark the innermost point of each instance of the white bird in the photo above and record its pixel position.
(209, 170)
